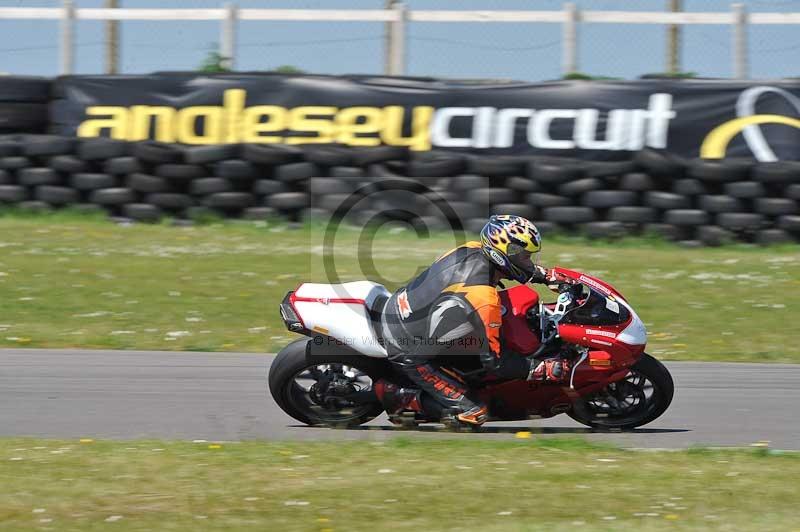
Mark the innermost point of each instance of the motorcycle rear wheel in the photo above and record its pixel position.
(300, 385)
(640, 398)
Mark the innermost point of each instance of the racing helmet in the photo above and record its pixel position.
(513, 243)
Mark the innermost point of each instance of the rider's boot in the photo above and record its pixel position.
(402, 404)
(456, 419)
(476, 415)
(458, 408)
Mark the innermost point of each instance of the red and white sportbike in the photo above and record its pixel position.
(332, 377)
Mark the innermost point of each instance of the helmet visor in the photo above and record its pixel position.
(524, 260)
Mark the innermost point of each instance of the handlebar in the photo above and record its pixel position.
(568, 293)
(573, 289)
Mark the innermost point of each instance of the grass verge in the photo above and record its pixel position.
(400, 484)
(73, 281)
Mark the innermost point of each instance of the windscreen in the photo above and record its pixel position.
(597, 309)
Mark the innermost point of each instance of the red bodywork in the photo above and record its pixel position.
(612, 349)
(608, 358)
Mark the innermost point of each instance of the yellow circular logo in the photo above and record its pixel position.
(715, 145)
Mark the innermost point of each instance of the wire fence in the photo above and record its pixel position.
(524, 45)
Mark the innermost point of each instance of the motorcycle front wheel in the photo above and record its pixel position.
(334, 390)
(641, 397)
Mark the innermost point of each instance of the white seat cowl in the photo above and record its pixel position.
(366, 291)
(341, 311)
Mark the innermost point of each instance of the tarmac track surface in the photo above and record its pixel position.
(223, 396)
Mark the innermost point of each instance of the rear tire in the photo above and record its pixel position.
(585, 411)
(294, 359)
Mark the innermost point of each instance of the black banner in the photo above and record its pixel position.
(586, 119)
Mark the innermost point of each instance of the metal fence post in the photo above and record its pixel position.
(397, 41)
(569, 39)
(674, 40)
(740, 70)
(112, 40)
(228, 37)
(67, 37)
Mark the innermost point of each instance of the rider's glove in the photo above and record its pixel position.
(549, 370)
(539, 275)
(550, 277)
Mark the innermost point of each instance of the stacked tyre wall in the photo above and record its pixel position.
(24, 104)
(692, 201)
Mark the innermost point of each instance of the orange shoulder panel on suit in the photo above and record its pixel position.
(486, 302)
(474, 244)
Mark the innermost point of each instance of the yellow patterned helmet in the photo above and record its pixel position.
(513, 243)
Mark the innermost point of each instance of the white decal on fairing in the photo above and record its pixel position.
(594, 284)
(601, 342)
(607, 334)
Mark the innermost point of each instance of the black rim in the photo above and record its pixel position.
(331, 393)
(624, 402)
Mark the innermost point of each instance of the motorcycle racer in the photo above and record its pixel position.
(453, 308)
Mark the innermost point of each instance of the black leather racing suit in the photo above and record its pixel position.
(450, 308)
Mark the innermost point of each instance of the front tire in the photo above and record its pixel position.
(305, 385)
(636, 400)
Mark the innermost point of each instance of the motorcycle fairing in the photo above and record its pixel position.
(632, 333)
(516, 331)
(342, 312)
(611, 344)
